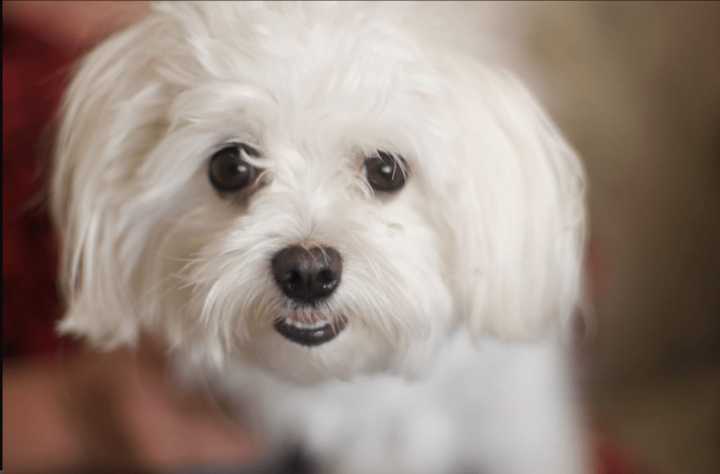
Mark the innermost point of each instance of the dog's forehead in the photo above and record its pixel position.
(308, 55)
(329, 79)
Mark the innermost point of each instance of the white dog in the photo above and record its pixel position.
(367, 237)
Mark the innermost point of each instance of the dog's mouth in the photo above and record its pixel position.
(309, 331)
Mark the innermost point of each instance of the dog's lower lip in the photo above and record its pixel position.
(310, 334)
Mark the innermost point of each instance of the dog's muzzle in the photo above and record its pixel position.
(307, 276)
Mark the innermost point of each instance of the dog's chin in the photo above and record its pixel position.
(317, 352)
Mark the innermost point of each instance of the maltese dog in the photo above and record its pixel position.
(363, 234)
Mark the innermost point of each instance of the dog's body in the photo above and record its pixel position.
(497, 409)
(332, 213)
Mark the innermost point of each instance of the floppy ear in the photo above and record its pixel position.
(521, 222)
(110, 119)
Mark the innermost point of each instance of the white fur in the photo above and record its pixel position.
(485, 239)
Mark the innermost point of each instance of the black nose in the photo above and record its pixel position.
(307, 275)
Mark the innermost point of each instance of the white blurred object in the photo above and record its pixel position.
(439, 347)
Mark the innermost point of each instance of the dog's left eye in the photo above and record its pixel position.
(229, 171)
(384, 171)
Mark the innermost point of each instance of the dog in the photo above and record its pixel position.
(363, 233)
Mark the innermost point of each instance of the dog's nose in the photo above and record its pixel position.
(307, 275)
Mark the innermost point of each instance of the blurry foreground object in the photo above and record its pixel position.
(117, 412)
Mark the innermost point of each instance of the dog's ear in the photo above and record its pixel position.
(521, 216)
(109, 120)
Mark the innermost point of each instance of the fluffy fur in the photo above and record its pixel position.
(482, 245)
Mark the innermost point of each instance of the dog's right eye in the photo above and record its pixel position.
(384, 172)
(229, 171)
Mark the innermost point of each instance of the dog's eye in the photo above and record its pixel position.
(384, 172)
(228, 169)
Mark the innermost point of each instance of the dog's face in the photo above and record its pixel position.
(309, 188)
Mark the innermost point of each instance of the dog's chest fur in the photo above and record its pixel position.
(475, 411)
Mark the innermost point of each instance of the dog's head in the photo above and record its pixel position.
(316, 188)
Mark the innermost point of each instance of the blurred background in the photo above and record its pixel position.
(636, 88)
